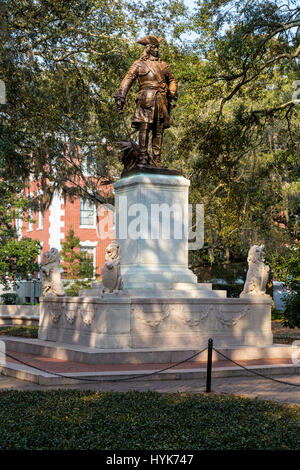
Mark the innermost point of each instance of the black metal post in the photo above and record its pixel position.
(209, 365)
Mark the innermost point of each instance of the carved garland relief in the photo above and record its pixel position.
(154, 319)
(223, 318)
(197, 317)
(70, 315)
(55, 313)
(87, 314)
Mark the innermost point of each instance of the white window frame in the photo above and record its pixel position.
(41, 221)
(30, 224)
(94, 217)
(89, 244)
(40, 259)
(19, 226)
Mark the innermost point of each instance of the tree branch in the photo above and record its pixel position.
(266, 112)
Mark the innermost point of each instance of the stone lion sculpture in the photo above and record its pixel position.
(258, 272)
(111, 274)
(51, 277)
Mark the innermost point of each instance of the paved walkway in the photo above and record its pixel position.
(244, 386)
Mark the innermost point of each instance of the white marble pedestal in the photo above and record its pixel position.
(126, 322)
(152, 230)
(162, 306)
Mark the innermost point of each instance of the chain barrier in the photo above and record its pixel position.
(255, 372)
(209, 369)
(112, 380)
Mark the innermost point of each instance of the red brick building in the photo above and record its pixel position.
(52, 226)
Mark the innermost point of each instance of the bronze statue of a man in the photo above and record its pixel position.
(158, 87)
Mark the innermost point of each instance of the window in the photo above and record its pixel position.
(88, 163)
(30, 224)
(88, 269)
(41, 220)
(39, 259)
(19, 227)
(87, 213)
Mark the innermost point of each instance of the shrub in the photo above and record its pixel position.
(291, 313)
(233, 290)
(72, 288)
(24, 331)
(286, 268)
(277, 314)
(10, 298)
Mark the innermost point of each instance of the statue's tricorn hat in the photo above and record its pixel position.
(152, 40)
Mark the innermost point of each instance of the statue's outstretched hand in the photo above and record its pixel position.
(120, 104)
(173, 96)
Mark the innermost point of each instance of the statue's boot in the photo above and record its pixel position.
(144, 130)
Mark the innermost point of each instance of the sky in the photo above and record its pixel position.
(189, 3)
(189, 36)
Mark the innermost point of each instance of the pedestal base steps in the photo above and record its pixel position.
(81, 364)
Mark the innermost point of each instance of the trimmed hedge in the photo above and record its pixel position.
(233, 290)
(24, 331)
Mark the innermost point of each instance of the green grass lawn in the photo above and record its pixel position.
(68, 419)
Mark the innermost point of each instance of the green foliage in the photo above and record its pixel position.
(61, 63)
(23, 331)
(88, 420)
(229, 272)
(12, 206)
(233, 290)
(285, 265)
(291, 315)
(238, 127)
(10, 298)
(17, 257)
(72, 288)
(235, 133)
(226, 276)
(276, 314)
(75, 263)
